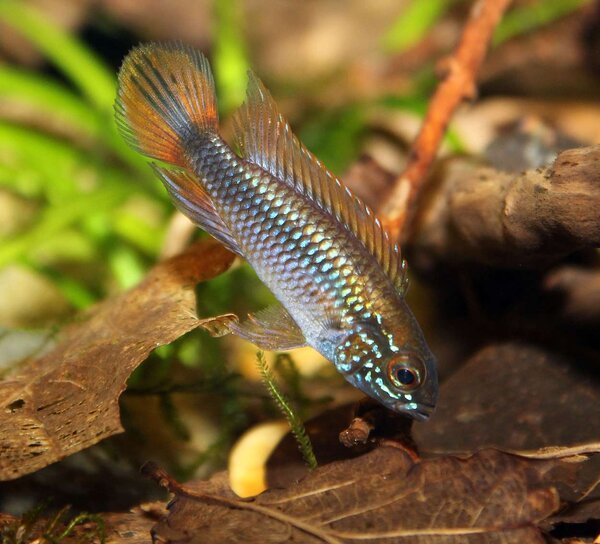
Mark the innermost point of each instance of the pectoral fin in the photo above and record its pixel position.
(271, 329)
(220, 325)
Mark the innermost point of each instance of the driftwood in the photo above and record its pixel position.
(580, 290)
(478, 214)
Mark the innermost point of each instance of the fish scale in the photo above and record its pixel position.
(265, 234)
(320, 250)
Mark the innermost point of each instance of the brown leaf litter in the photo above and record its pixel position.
(67, 399)
(384, 496)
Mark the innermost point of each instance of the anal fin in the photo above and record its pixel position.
(192, 200)
(271, 329)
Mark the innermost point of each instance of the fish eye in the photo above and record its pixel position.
(404, 373)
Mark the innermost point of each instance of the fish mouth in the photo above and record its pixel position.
(421, 412)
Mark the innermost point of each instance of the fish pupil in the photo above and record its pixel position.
(405, 376)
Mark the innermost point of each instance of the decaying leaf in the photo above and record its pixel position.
(384, 496)
(526, 400)
(132, 527)
(67, 399)
(519, 398)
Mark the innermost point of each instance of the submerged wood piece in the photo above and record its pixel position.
(486, 216)
(68, 398)
(579, 288)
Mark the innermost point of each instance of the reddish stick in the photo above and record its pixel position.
(458, 84)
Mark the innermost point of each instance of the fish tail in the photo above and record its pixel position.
(165, 101)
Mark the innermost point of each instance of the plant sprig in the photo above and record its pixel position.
(296, 425)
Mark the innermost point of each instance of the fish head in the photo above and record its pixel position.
(395, 368)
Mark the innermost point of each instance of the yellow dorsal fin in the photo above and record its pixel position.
(266, 139)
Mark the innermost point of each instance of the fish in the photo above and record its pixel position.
(339, 280)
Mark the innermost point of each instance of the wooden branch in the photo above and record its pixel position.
(481, 215)
(458, 84)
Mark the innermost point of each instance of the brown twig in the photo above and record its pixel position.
(458, 84)
(357, 433)
(374, 424)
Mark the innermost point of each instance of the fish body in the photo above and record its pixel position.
(322, 252)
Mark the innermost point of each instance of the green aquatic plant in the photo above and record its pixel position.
(296, 425)
(33, 526)
(61, 151)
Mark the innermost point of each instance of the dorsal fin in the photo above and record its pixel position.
(265, 138)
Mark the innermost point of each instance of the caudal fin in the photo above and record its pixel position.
(166, 99)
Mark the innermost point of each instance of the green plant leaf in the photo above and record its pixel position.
(334, 136)
(50, 99)
(54, 165)
(74, 291)
(531, 16)
(80, 64)
(61, 106)
(413, 23)
(229, 59)
(126, 266)
(56, 218)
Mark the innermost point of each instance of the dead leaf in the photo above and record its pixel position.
(577, 514)
(381, 497)
(516, 397)
(521, 399)
(67, 399)
(132, 527)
